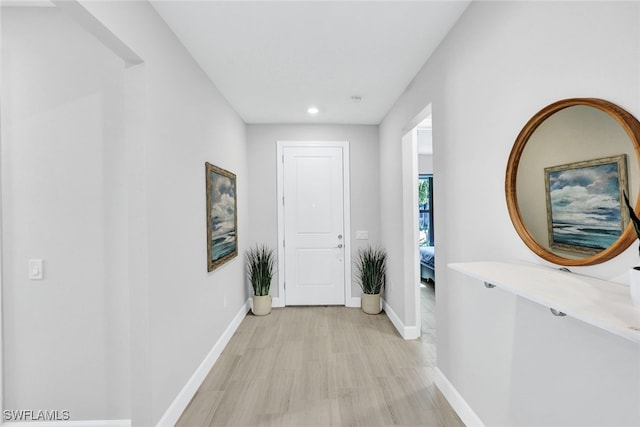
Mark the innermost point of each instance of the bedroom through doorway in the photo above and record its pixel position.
(427, 280)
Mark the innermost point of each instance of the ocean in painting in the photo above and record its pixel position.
(584, 236)
(223, 245)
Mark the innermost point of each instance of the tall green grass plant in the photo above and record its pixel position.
(261, 265)
(371, 269)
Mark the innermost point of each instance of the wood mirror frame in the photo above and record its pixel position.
(632, 128)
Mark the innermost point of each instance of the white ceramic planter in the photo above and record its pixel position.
(634, 285)
(370, 303)
(261, 305)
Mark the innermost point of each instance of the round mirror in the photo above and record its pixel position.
(566, 176)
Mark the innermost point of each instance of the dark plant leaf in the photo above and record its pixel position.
(634, 218)
(632, 215)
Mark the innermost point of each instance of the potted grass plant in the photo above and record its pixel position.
(261, 265)
(371, 272)
(634, 273)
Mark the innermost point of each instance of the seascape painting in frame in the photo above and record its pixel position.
(222, 216)
(584, 202)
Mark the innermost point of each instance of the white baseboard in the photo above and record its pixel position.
(354, 302)
(277, 302)
(181, 401)
(406, 332)
(462, 408)
(87, 423)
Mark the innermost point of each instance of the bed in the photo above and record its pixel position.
(427, 264)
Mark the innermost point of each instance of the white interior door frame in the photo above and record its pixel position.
(279, 301)
(411, 238)
(410, 233)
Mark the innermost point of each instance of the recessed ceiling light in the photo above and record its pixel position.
(313, 111)
(356, 99)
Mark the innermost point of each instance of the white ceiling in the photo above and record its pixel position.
(274, 59)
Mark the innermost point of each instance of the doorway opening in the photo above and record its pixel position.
(427, 281)
(418, 229)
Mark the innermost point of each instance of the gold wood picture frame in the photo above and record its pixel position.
(222, 216)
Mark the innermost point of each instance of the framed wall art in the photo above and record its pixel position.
(584, 202)
(222, 216)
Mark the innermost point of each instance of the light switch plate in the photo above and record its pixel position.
(36, 271)
(362, 235)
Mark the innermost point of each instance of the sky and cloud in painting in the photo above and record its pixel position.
(223, 206)
(586, 196)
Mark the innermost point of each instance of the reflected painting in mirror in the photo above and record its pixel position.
(584, 202)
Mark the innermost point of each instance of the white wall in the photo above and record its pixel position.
(510, 360)
(60, 191)
(189, 123)
(425, 151)
(363, 146)
(425, 164)
(66, 338)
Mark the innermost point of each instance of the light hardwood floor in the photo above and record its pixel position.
(322, 366)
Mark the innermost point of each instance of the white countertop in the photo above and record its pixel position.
(606, 305)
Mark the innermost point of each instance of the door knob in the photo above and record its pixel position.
(340, 246)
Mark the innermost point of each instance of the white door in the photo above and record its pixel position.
(314, 241)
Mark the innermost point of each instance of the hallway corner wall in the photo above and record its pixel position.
(509, 359)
